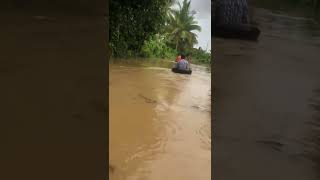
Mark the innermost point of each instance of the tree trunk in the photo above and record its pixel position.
(177, 44)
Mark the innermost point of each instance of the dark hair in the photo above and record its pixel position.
(183, 57)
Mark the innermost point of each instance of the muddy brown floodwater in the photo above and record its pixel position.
(159, 123)
(266, 119)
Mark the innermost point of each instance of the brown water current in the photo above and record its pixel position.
(159, 123)
(266, 107)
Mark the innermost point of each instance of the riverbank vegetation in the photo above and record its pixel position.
(154, 29)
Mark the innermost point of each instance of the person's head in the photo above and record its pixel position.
(183, 56)
(178, 58)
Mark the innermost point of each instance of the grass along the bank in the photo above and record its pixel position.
(156, 49)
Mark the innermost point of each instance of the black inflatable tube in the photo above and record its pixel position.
(175, 70)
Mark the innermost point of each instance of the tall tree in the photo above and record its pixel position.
(134, 21)
(181, 25)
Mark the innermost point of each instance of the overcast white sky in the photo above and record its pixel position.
(203, 16)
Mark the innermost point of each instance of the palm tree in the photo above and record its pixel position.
(168, 6)
(180, 26)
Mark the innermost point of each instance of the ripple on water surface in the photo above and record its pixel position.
(155, 133)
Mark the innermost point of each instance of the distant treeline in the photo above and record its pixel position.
(153, 29)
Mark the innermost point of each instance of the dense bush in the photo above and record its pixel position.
(200, 56)
(150, 28)
(156, 47)
(133, 21)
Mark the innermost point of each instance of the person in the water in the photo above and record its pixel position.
(178, 58)
(183, 64)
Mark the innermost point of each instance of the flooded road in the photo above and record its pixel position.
(159, 123)
(266, 123)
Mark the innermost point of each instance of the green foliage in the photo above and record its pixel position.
(200, 56)
(133, 21)
(180, 26)
(150, 28)
(156, 47)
